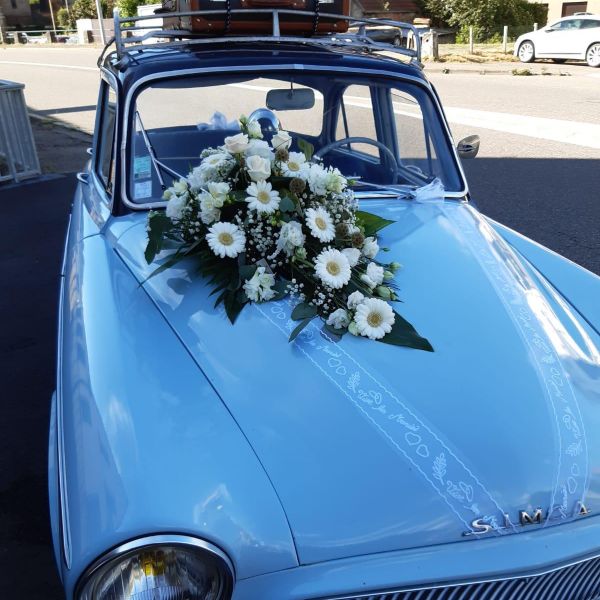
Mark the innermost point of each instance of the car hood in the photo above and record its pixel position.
(373, 448)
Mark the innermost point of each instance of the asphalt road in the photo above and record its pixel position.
(525, 177)
(538, 168)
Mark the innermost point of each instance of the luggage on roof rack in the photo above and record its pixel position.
(256, 23)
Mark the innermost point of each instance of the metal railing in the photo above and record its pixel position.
(126, 28)
(18, 155)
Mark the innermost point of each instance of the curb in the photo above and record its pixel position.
(58, 123)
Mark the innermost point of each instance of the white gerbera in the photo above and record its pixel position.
(339, 319)
(352, 254)
(354, 299)
(375, 273)
(374, 318)
(370, 247)
(296, 166)
(320, 223)
(260, 287)
(333, 268)
(226, 239)
(262, 197)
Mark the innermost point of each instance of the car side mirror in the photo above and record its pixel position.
(469, 147)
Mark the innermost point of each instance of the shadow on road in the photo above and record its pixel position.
(556, 202)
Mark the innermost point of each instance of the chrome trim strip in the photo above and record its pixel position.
(65, 528)
(449, 584)
(271, 68)
(166, 539)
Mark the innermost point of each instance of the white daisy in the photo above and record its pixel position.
(354, 299)
(296, 166)
(374, 318)
(226, 239)
(352, 254)
(339, 319)
(262, 197)
(320, 224)
(333, 268)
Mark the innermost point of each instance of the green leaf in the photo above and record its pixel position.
(404, 334)
(336, 333)
(303, 311)
(169, 262)
(280, 288)
(299, 328)
(287, 204)
(159, 225)
(247, 271)
(233, 305)
(306, 148)
(371, 223)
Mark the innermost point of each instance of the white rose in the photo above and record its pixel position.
(254, 130)
(282, 139)
(370, 247)
(290, 237)
(354, 299)
(259, 148)
(352, 254)
(339, 319)
(375, 273)
(236, 144)
(258, 168)
(175, 207)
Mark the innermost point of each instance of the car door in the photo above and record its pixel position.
(559, 40)
(590, 34)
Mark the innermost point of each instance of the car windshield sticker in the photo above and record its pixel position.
(408, 433)
(504, 272)
(142, 189)
(141, 167)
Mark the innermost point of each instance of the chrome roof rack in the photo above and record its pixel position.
(130, 33)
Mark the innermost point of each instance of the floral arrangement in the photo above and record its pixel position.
(264, 221)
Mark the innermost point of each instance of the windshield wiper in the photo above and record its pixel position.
(157, 164)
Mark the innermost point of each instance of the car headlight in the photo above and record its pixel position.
(165, 567)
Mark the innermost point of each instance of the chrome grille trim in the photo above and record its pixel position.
(578, 580)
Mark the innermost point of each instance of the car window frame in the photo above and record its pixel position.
(107, 193)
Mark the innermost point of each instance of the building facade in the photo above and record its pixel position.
(16, 12)
(558, 8)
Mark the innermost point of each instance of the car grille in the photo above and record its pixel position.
(580, 581)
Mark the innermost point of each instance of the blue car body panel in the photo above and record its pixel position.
(324, 468)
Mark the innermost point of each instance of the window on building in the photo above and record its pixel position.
(570, 8)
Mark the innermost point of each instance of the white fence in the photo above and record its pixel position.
(18, 155)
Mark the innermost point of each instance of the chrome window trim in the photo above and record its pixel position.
(65, 529)
(166, 539)
(273, 68)
(452, 584)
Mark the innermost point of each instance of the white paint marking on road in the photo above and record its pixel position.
(51, 65)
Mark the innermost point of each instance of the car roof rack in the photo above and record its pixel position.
(131, 34)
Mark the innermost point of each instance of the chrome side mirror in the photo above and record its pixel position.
(469, 147)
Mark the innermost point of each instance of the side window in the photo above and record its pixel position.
(106, 138)
(356, 118)
(589, 24)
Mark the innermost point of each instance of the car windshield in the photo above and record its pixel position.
(380, 132)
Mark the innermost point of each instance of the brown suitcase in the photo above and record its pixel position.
(263, 24)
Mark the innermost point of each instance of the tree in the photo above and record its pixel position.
(128, 8)
(485, 16)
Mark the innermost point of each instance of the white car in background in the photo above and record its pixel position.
(572, 38)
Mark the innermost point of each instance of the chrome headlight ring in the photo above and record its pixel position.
(169, 566)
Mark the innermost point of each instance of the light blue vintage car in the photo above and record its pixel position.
(194, 460)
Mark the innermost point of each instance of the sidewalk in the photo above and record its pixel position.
(507, 68)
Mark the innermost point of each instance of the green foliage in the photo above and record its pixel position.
(86, 9)
(128, 8)
(371, 223)
(64, 19)
(485, 16)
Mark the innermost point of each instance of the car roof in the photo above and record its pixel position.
(581, 16)
(148, 63)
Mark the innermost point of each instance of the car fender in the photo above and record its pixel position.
(580, 287)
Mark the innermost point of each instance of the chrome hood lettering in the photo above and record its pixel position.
(373, 448)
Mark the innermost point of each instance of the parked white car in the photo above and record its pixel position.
(572, 38)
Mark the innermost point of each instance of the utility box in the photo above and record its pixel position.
(18, 154)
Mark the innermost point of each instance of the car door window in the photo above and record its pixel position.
(106, 138)
(356, 118)
(589, 24)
